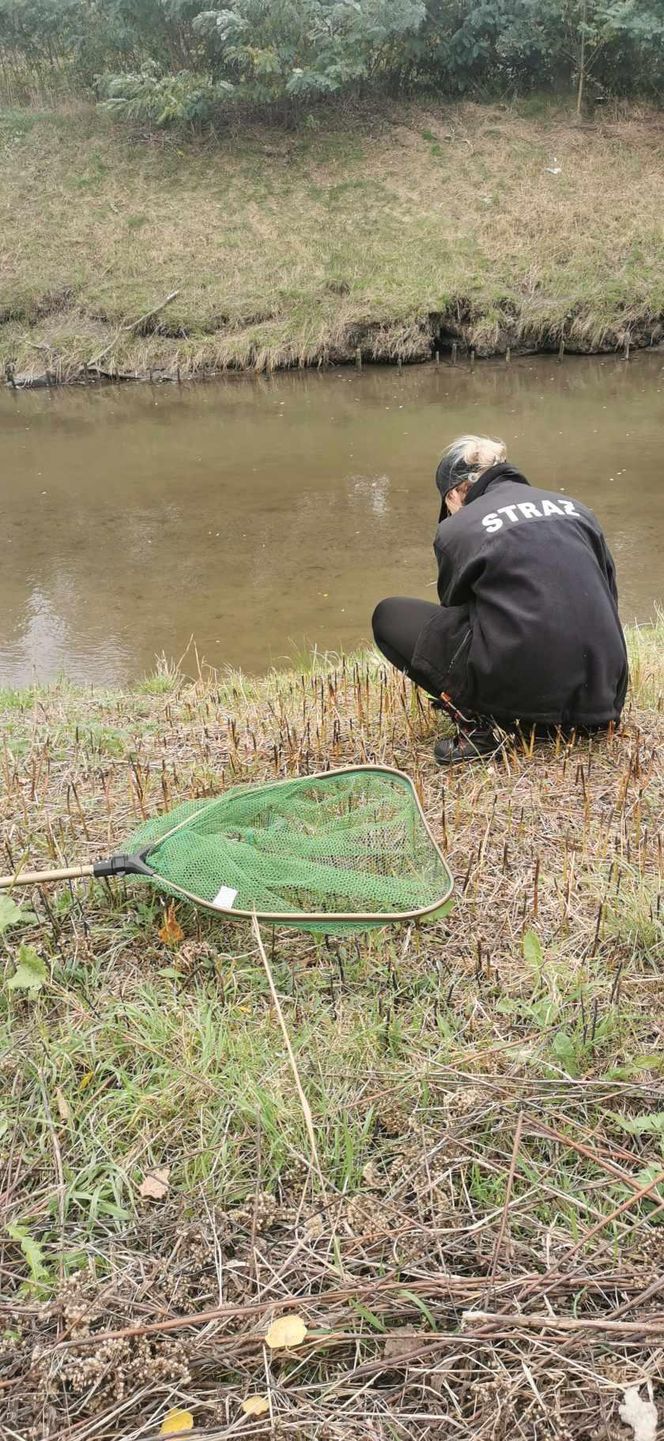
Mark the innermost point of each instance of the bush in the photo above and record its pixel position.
(182, 98)
(174, 61)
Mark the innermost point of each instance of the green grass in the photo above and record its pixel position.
(482, 1089)
(300, 247)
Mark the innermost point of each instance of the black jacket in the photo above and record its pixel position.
(528, 627)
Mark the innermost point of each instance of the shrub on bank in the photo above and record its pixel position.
(178, 61)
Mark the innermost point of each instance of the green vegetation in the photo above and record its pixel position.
(409, 227)
(486, 1091)
(178, 62)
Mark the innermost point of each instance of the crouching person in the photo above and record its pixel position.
(527, 636)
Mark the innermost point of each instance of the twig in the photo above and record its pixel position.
(539, 1129)
(508, 1196)
(57, 1155)
(652, 1290)
(133, 325)
(452, 1288)
(648, 1326)
(306, 1109)
(600, 1226)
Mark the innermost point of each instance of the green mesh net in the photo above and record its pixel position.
(330, 852)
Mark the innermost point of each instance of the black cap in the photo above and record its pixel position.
(449, 475)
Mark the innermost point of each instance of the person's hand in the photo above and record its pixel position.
(454, 501)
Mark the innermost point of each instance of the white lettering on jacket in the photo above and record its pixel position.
(529, 511)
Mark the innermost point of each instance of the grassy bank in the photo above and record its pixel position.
(486, 1091)
(390, 233)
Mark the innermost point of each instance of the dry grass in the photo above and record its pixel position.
(483, 1258)
(299, 248)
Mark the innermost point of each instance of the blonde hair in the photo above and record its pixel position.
(480, 451)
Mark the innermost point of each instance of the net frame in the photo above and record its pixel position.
(312, 918)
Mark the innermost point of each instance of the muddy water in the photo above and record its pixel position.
(266, 517)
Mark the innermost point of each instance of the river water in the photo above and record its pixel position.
(265, 517)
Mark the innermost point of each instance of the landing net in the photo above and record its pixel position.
(331, 852)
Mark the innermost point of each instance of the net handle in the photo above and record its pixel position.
(37, 878)
(114, 866)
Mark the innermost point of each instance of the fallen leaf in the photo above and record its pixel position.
(171, 933)
(640, 1415)
(255, 1405)
(175, 1422)
(30, 972)
(154, 1186)
(287, 1331)
(315, 1226)
(63, 1106)
(402, 1345)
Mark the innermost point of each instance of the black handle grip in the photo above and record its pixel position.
(122, 866)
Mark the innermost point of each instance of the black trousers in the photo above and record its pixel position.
(397, 623)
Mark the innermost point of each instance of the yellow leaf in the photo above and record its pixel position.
(175, 1422)
(171, 932)
(85, 1080)
(255, 1405)
(64, 1108)
(154, 1186)
(286, 1332)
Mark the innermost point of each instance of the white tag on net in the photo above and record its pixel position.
(225, 898)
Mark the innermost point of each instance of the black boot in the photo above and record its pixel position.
(475, 745)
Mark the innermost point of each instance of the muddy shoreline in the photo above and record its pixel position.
(437, 338)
